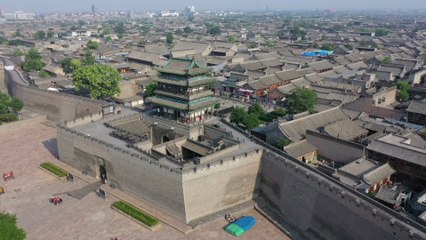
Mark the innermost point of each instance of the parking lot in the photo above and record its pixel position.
(27, 195)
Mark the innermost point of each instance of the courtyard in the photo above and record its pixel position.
(91, 217)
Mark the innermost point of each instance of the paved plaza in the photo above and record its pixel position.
(91, 217)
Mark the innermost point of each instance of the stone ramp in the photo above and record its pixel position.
(243, 207)
(280, 221)
(84, 191)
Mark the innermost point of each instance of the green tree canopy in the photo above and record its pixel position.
(270, 44)
(33, 61)
(93, 45)
(424, 59)
(149, 91)
(301, 100)
(252, 45)
(88, 59)
(70, 64)
(328, 47)
(280, 144)
(213, 30)
(9, 107)
(403, 88)
(169, 38)
(100, 81)
(43, 74)
(8, 228)
(187, 30)
(142, 43)
(256, 109)
(50, 34)
(40, 35)
(238, 115)
(119, 29)
(231, 39)
(387, 60)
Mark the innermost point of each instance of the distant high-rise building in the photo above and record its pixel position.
(93, 9)
(1, 12)
(189, 10)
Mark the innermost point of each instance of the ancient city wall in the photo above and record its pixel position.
(59, 107)
(138, 174)
(220, 185)
(315, 204)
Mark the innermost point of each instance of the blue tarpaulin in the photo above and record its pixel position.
(317, 53)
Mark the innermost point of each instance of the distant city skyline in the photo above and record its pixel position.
(45, 6)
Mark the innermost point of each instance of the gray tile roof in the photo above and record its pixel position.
(378, 174)
(346, 130)
(295, 130)
(396, 146)
(300, 148)
(417, 107)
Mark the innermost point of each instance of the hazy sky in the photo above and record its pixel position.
(144, 5)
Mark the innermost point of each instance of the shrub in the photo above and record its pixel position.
(8, 228)
(279, 112)
(267, 117)
(54, 169)
(8, 117)
(136, 213)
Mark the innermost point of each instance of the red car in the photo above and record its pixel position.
(55, 200)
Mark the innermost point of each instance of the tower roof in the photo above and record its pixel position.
(183, 66)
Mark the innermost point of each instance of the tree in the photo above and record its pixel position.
(81, 23)
(119, 29)
(150, 89)
(18, 52)
(386, 60)
(142, 43)
(270, 44)
(70, 64)
(4, 41)
(108, 39)
(93, 45)
(33, 61)
(403, 88)
(424, 59)
(280, 144)
(301, 100)
(16, 104)
(328, 47)
(43, 74)
(9, 107)
(88, 59)
(252, 45)
(8, 228)
(380, 32)
(169, 38)
(238, 115)
(349, 47)
(40, 35)
(99, 81)
(256, 109)
(50, 34)
(187, 30)
(213, 30)
(251, 121)
(231, 39)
